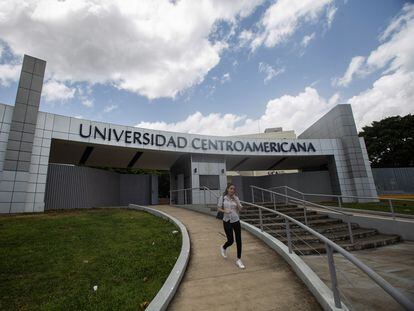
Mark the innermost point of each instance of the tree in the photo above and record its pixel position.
(390, 142)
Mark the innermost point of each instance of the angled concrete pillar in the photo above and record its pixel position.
(352, 168)
(20, 129)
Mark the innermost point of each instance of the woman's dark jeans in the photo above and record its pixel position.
(228, 229)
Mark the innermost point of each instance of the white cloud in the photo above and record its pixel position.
(155, 48)
(356, 67)
(213, 123)
(245, 37)
(9, 73)
(334, 99)
(84, 93)
(390, 95)
(269, 71)
(87, 103)
(396, 51)
(283, 18)
(307, 39)
(330, 14)
(225, 78)
(393, 92)
(57, 91)
(290, 112)
(110, 108)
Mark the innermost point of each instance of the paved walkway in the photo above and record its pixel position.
(395, 263)
(214, 283)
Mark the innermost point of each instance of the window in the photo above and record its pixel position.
(210, 181)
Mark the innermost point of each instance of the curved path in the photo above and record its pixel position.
(214, 283)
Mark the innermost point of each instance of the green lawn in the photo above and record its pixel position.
(400, 207)
(52, 261)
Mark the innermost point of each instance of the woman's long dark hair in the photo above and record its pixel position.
(227, 189)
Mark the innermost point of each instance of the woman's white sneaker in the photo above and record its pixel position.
(240, 264)
(223, 252)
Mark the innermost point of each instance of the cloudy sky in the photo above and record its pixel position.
(213, 66)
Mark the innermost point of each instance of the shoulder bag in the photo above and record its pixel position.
(220, 214)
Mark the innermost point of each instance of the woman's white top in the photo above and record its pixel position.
(232, 205)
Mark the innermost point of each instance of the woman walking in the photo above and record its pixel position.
(230, 205)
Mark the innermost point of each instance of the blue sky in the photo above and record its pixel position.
(213, 67)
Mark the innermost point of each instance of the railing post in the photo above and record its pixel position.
(252, 194)
(334, 281)
(274, 201)
(286, 198)
(185, 197)
(304, 213)
(262, 196)
(289, 238)
(339, 201)
(391, 208)
(351, 236)
(204, 194)
(260, 219)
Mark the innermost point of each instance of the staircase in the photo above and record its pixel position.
(304, 243)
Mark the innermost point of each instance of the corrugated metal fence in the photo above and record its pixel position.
(70, 187)
(398, 180)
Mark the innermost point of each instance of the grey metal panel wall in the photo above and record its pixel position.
(308, 182)
(135, 189)
(399, 180)
(80, 187)
(70, 187)
(154, 189)
(102, 188)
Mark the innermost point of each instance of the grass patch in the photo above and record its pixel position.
(383, 207)
(52, 261)
(399, 208)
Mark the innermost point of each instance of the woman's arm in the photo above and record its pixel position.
(239, 206)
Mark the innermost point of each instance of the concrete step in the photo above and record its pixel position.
(278, 205)
(333, 236)
(312, 222)
(256, 213)
(275, 218)
(320, 229)
(289, 213)
(306, 244)
(359, 244)
(290, 210)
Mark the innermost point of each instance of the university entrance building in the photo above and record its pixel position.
(49, 161)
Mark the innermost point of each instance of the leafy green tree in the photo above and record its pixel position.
(390, 142)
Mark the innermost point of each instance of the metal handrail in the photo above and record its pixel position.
(195, 188)
(341, 195)
(305, 203)
(203, 188)
(332, 246)
(211, 191)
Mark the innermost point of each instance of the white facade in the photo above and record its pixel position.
(75, 141)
